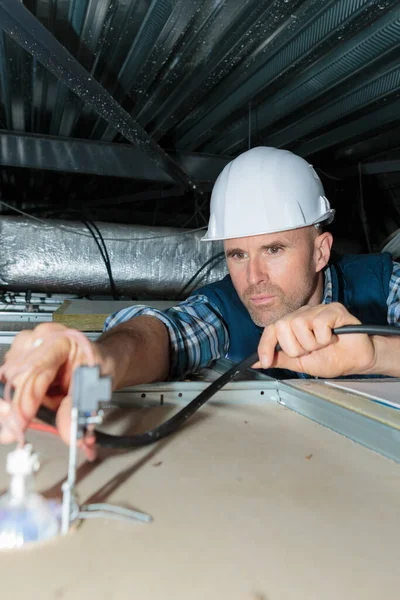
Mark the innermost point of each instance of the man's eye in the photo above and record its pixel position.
(238, 255)
(274, 249)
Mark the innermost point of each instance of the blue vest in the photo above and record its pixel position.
(360, 282)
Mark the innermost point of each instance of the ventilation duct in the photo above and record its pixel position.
(392, 245)
(62, 257)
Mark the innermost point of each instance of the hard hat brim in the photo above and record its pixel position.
(326, 218)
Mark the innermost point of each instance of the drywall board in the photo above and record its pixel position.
(360, 418)
(384, 391)
(249, 503)
(89, 315)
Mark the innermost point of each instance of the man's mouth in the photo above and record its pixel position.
(261, 299)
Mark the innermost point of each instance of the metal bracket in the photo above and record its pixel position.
(89, 390)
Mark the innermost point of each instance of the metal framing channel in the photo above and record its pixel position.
(368, 432)
(236, 392)
(24, 28)
(382, 166)
(24, 317)
(373, 147)
(366, 124)
(383, 84)
(100, 158)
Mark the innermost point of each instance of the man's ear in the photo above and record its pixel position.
(322, 250)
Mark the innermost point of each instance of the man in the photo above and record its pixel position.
(269, 207)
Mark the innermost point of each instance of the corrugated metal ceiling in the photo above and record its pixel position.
(187, 70)
(189, 77)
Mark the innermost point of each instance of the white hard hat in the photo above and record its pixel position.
(266, 190)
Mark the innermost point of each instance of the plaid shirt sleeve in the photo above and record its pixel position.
(393, 301)
(198, 335)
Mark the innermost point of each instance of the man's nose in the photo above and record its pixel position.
(256, 272)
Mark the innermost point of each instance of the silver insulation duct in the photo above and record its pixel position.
(62, 257)
(392, 244)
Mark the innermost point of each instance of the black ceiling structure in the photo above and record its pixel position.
(129, 109)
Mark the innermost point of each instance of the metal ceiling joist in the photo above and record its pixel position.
(378, 167)
(24, 28)
(383, 84)
(365, 125)
(382, 166)
(98, 158)
(375, 147)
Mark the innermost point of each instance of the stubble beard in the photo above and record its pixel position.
(280, 306)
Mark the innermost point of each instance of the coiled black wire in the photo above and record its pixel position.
(217, 258)
(170, 426)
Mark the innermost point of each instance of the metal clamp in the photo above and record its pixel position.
(89, 390)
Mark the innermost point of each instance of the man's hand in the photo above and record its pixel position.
(309, 345)
(40, 363)
(39, 366)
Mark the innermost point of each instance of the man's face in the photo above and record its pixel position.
(277, 273)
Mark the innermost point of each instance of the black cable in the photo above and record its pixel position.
(100, 243)
(174, 423)
(44, 414)
(363, 214)
(219, 256)
(104, 253)
(103, 256)
(170, 426)
(386, 330)
(106, 440)
(329, 175)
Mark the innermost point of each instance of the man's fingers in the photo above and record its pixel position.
(7, 427)
(323, 333)
(33, 380)
(303, 331)
(299, 334)
(63, 419)
(287, 339)
(27, 340)
(39, 367)
(266, 347)
(32, 375)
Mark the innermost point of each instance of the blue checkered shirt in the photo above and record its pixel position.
(198, 335)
